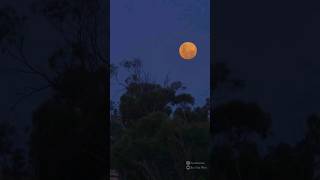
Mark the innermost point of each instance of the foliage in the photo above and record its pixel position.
(240, 118)
(69, 130)
(222, 77)
(157, 128)
(156, 147)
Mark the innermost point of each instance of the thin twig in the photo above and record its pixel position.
(36, 90)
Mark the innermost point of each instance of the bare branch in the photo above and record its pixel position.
(34, 91)
(21, 58)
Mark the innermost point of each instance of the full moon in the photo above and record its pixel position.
(188, 50)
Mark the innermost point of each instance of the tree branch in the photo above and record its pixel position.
(34, 91)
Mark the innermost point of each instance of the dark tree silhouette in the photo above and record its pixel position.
(157, 129)
(286, 161)
(142, 96)
(237, 127)
(239, 119)
(69, 130)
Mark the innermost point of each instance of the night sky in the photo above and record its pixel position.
(41, 41)
(273, 46)
(153, 31)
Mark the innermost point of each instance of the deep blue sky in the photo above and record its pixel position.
(272, 45)
(153, 30)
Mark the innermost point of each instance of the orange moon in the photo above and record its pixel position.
(188, 50)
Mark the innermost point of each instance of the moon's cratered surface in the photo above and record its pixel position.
(188, 50)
